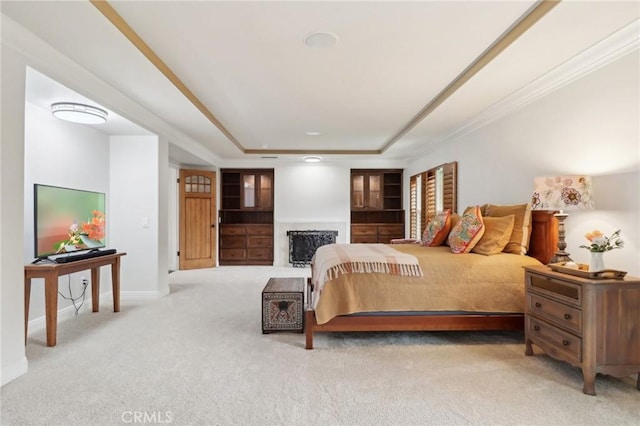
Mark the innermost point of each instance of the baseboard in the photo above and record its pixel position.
(39, 323)
(13, 371)
(68, 312)
(139, 296)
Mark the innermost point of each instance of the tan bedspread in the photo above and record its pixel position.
(450, 282)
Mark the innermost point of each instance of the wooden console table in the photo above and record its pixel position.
(51, 271)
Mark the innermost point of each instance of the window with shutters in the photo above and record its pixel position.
(431, 192)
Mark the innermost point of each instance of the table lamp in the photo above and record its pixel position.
(560, 193)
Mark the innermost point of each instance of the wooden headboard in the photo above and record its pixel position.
(544, 236)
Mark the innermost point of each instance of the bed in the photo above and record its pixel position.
(475, 292)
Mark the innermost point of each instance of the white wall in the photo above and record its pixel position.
(20, 49)
(134, 207)
(309, 196)
(592, 127)
(12, 89)
(60, 153)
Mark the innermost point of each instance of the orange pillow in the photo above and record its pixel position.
(519, 241)
(497, 233)
(437, 229)
(467, 232)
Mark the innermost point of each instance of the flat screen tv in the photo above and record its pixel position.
(67, 220)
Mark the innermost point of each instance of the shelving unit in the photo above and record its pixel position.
(376, 205)
(246, 217)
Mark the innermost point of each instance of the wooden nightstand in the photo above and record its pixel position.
(591, 324)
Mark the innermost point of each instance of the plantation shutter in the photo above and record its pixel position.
(449, 190)
(431, 192)
(429, 195)
(413, 206)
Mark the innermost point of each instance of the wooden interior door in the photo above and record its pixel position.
(197, 219)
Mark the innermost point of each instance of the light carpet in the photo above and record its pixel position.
(198, 357)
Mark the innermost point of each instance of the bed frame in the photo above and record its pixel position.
(542, 246)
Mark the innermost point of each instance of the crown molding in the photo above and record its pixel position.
(614, 47)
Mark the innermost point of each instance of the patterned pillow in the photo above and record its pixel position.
(437, 229)
(467, 232)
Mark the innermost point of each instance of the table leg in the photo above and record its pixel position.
(27, 298)
(115, 283)
(51, 306)
(95, 289)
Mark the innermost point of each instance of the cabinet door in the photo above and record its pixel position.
(366, 191)
(257, 191)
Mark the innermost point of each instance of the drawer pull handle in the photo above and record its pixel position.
(536, 327)
(538, 304)
(567, 316)
(565, 343)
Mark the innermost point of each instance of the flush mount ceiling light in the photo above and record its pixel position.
(312, 133)
(321, 40)
(312, 159)
(78, 113)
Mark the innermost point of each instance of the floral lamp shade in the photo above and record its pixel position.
(562, 193)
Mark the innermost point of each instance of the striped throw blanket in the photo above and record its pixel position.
(333, 260)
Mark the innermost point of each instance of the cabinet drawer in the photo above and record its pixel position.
(556, 339)
(364, 239)
(232, 242)
(391, 230)
(559, 313)
(253, 242)
(364, 230)
(232, 230)
(260, 254)
(233, 254)
(260, 230)
(557, 289)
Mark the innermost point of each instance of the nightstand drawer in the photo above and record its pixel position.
(557, 289)
(555, 338)
(556, 312)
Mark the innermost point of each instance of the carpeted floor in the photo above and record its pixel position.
(198, 357)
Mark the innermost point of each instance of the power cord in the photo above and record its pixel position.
(85, 283)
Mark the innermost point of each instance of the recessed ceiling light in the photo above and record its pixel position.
(312, 159)
(321, 39)
(313, 133)
(78, 113)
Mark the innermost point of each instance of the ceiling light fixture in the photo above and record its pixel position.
(321, 40)
(79, 113)
(312, 159)
(312, 133)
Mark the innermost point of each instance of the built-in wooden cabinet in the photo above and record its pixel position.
(246, 217)
(376, 205)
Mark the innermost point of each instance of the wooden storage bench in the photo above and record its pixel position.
(283, 305)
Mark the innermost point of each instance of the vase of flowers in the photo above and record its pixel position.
(598, 245)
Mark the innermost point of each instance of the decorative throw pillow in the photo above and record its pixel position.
(519, 241)
(467, 232)
(455, 218)
(497, 233)
(437, 229)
